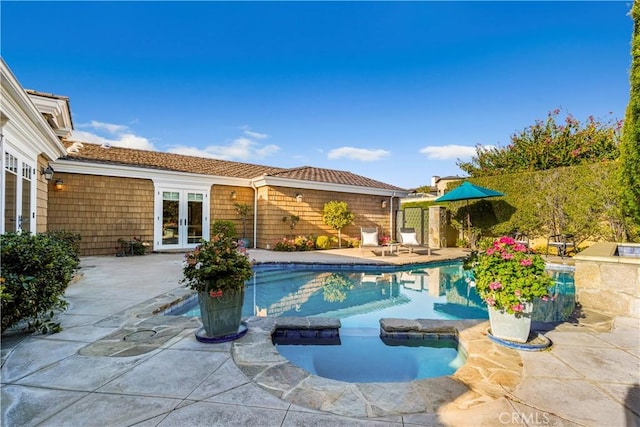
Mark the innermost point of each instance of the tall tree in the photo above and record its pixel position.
(630, 143)
(549, 144)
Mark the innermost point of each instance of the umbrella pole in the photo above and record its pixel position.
(469, 226)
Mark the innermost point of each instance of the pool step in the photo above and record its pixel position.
(297, 331)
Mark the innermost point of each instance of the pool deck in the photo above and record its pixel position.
(118, 364)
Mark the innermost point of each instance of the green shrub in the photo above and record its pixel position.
(582, 200)
(135, 246)
(70, 238)
(36, 270)
(323, 242)
(228, 228)
(284, 245)
(352, 243)
(299, 243)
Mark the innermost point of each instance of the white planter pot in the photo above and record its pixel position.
(509, 326)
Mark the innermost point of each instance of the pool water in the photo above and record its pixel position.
(368, 358)
(360, 296)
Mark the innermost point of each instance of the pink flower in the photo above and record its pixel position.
(517, 308)
(490, 251)
(494, 286)
(545, 298)
(519, 247)
(507, 255)
(517, 292)
(526, 262)
(491, 301)
(507, 240)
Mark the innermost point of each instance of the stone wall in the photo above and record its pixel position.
(102, 209)
(607, 283)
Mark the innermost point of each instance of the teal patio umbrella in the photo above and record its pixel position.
(468, 191)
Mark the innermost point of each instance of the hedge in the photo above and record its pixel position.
(583, 200)
(36, 270)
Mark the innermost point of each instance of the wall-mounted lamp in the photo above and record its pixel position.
(47, 172)
(299, 198)
(383, 204)
(233, 195)
(59, 184)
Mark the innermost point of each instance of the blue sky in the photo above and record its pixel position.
(395, 91)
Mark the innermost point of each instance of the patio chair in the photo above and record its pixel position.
(369, 238)
(409, 240)
(561, 242)
(520, 237)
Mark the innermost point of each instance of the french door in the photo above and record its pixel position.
(182, 218)
(18, 195)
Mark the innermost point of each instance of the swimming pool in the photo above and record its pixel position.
(360, 295)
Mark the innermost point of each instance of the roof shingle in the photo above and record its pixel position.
(167, 161)
(201, 165)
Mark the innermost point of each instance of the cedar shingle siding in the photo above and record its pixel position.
(103, 208)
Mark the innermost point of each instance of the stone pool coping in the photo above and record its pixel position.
(606, 252)
(490, 372)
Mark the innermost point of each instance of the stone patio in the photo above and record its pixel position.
(117, 363)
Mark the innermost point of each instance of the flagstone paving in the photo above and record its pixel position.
(118, 363)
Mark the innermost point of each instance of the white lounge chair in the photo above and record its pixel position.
(409, 240)
(369, 238)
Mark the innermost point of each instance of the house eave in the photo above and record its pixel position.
(263, 180)
(53, 148)
(157, 175)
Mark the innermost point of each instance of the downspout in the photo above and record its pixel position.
(392, 228)
(255, 214)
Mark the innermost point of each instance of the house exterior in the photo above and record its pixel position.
(31, 128)
(441, 182)
(168, 200)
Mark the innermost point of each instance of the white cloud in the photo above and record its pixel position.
(255, 135)
(243, 149)
(111, 128)
(110, 133)
(361, 154)
(252, 134)
(451, 151)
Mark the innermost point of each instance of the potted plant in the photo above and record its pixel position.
(243, 210)
(217, 270)
(508, 277)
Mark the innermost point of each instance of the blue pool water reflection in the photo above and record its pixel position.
(361, 295)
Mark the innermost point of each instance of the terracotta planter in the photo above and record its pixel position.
(221, 313)
(509, 326)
